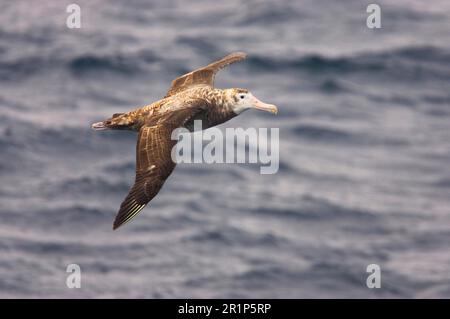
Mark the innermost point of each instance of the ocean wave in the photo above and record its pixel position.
(74, 218)
(160, 223)
(317, 132)
(22, 67)
(83, 64)
(328, 134)
(408, 63)
(87, 185)
(78, 65)
(116, 62)
(235, 236)
(269, 272)
(331, 86)
(31, 135)
(442, 183)
(260, 13)
(311, 208)
(200, 45)
(436, 98)
(393, 99)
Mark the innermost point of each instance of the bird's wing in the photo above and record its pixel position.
(204, 75)
(153, 159)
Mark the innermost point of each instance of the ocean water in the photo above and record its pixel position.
(364, 120)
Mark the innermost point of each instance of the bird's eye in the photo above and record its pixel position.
(242, 97)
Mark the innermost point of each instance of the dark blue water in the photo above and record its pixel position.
(364, 119)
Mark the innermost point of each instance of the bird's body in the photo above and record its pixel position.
(150, 114)
(191, 97)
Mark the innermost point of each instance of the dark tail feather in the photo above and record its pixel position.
(99, 126)
(116, 122)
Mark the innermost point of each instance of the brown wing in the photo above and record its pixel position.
(204, 75)
(153, 160)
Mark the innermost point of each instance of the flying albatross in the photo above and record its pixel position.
(191, 97)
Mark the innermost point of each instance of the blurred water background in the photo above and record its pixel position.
(364, 118)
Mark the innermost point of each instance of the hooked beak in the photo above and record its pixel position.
(257, 104)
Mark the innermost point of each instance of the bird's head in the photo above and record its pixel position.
(242, 99)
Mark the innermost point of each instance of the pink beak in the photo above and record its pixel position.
(257, 104)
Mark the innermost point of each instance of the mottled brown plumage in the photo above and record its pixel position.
(190, 97)
(203, 75)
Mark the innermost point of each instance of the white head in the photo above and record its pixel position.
(242, 99)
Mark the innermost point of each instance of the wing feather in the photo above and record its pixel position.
(204, 75)
(153, 160)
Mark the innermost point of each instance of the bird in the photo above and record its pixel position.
(190, 97)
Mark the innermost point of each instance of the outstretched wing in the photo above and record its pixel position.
(153, 160)
(204, 75)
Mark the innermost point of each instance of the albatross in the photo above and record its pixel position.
(191, 97)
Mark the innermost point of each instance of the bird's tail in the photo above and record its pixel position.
(99, 126)
(119, 121)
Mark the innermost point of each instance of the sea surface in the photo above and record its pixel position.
(364, 178)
